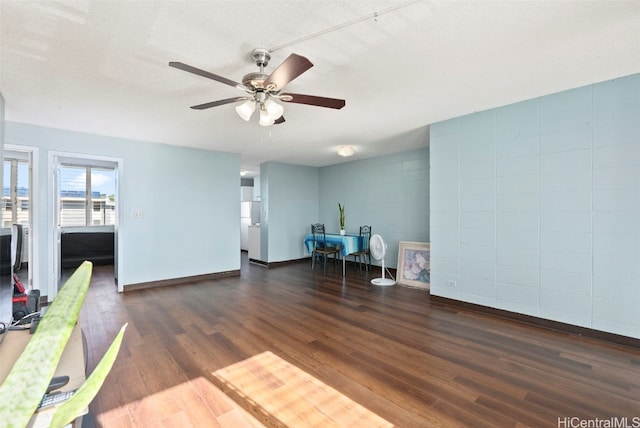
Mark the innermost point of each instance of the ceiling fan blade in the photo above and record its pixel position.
(279, 120)
(291, 68)
(313, 100)
(194, 70)
(219, 103)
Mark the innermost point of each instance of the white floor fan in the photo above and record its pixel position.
(378, 249)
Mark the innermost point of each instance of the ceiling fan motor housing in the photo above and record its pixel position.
(254, 80)
(261, 56)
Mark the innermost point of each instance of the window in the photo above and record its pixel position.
(87, 196)
(15, 195)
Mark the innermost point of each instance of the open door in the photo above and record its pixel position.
(86, 211)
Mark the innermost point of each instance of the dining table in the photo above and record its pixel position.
(347, 244)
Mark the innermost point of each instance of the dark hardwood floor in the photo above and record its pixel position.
(412, 362)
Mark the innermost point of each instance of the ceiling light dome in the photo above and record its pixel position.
(245, 110)
(274, 109)
(265, 118)
(346, 151)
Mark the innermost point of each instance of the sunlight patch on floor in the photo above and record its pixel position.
(280, 394)
(195, 403)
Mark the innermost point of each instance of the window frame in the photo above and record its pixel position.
(14, 202)
(88, 201)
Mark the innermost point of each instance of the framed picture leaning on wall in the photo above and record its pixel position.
(414, 264)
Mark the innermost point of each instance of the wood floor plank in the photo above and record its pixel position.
(292, 397)
(407, 360)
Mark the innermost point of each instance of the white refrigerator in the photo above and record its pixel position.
(249, 215)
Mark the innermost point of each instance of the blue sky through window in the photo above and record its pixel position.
(103, 181)
(23, 178)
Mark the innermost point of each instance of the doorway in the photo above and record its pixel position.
(86, 214)
(19, 255)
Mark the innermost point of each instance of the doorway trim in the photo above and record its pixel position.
(33, 249)
(55, 159)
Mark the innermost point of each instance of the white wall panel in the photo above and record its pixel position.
(616, 222)
(617, 155)
(522, 220)
(568, 139)
(518, 202)
(616, 200)
(523, 296)
(618, 177)
(620, 265)
(566, 180)
(481, 252)
(478, 186)
(506, 167)
(569, 161)
(565, 262)
(521, 276)
(528, 183)
(617, 129)
(565, 201)
(623, 290)
(477, 202)
(518, 257)
(566, 281)
(527, 239)
(566, 221)
(477, 286)
(478, 236)
(478, 270)
(477, 219)
(616, 243)
(565, 241)
(523, 146)
(446, 266)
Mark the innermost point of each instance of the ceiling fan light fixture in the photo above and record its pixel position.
(274, 109)
(265, 118)
(246, 109)
(260, 87)
(346, 151)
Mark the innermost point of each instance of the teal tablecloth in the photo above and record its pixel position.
(347, 243)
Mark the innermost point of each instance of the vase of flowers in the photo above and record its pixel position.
(341, 218)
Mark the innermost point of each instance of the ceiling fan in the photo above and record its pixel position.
(262, 88)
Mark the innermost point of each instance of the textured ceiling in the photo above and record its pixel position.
(101, 66)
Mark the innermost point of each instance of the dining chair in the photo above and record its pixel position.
(320, 247)
(365, 236)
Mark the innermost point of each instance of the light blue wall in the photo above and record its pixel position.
(389, 193)
(535, 207)
(290, 200)
(189, 199)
